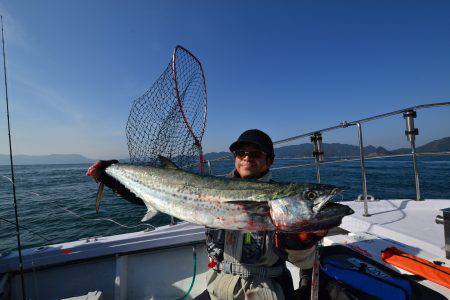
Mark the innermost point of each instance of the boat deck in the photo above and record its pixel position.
(407, 221)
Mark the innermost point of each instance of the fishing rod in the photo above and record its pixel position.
(19, 247)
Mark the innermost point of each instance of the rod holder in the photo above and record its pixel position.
(445, 220)
(316, 140)
(411, 133)
(208, 163)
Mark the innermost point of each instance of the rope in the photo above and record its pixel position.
(342, 160)
(366, 158)
(350, 158)
(194, 253)
(29, 230)
(10, 180)
(84, 218)
(97, 219)
(346, 124)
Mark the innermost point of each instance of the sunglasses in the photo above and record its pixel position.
(251, 154)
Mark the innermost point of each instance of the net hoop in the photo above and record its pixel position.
(198, 140)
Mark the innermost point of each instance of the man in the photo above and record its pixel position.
(251, 265)
(246, 265)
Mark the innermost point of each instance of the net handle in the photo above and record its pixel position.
(198, 142)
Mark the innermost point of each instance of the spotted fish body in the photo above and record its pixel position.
(233, 204)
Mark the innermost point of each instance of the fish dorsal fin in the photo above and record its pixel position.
(167, 163)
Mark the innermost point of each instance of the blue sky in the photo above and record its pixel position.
(287, 67)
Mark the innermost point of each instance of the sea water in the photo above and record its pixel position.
(56, 203)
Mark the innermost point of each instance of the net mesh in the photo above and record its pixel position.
(169, 118)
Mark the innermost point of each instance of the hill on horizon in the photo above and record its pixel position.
(45, 159)
(294, 151)
(344, 150)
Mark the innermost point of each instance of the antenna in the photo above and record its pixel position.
(19, 247)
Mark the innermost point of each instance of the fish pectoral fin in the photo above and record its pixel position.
(240, 201)
(167, 163)
(254, 207)
(151, 212)
(99, 197)
(259, 208)
(243, 202)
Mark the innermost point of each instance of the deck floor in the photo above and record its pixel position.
(407, 221)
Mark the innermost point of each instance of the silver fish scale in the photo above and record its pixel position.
(193, 207)
(230, 204)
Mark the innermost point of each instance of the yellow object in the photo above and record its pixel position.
(248, 238)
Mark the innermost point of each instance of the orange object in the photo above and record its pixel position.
(417, 266)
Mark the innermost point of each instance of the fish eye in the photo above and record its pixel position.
(310, 195)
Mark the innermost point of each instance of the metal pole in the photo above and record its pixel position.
(19, 246)
(363, 169)
(411, 133)
(208, 163)
(416, 169)
(317, 170)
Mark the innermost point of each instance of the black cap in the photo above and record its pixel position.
(257, 138)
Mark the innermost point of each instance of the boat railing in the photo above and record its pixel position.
(409, 114)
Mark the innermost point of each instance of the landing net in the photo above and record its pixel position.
(169, 118)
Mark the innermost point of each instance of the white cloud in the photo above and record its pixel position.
(52, 98)
(14, 32)
(120, 133)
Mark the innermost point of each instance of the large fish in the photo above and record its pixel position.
(233, 204)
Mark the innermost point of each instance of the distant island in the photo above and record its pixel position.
(344, 150)
(46, 159)
(295, 151)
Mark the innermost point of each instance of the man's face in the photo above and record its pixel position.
(251, 167)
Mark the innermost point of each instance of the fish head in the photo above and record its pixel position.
(319, 194)
(296, 212)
